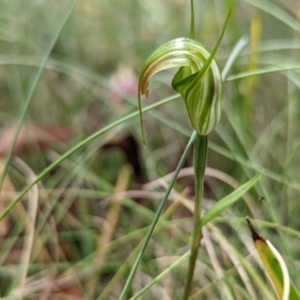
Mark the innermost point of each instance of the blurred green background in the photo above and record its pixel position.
(94, 208)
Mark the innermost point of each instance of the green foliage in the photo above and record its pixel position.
(71, 70)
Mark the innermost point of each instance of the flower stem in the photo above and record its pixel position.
(156, 217)
(200, 158)
(192, 30)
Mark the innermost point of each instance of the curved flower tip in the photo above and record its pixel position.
(198, 80)
(274, 265)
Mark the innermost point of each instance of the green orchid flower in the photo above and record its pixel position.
(198, 80)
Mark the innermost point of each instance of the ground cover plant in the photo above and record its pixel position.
(87, 212)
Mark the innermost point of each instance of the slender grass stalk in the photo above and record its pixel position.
(162, 275)
(192, 30)
(273, 10)
(156, 217)
(200, 158)
(32, 87)
(210, 215)
(119, 274)
(76, 148)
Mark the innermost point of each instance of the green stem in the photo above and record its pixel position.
(192, 30)
(200, 157)
(156, 217)
(161, 275)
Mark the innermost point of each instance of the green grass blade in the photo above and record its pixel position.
(262, 71)
(161, 275)
(76, 148)
(156, 217)
(275, 11)
(227, 201)
(33, 85)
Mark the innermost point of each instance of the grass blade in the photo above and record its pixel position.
(156, 217)
(227, 201)
(33, 85)
(275, 11)
(76, 148)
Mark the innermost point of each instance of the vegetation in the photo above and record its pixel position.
(86, 210)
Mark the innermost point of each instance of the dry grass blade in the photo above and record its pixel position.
(208, 172)
(30, 224)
